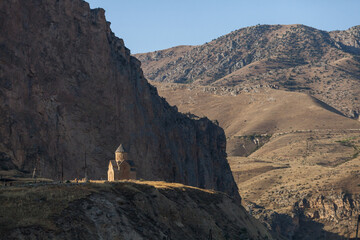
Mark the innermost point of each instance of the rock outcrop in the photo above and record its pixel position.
(71, 92)
(330, 216)
(338, 211)
(349, 39)
(124, 210)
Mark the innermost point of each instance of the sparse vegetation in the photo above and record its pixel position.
(45, 208)
(34, 206)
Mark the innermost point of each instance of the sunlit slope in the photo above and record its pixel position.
(256, 112)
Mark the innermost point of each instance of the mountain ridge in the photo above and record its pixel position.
(290, 57)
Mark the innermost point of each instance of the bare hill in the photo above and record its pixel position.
(261, 112)
(290, 57)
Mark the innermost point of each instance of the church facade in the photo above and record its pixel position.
(122, 167)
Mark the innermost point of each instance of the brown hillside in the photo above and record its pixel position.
(295, 159)
(290, 57)
(310, 179)
(260, 111)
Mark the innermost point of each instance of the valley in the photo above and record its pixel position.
(295, 159)
(287, 97)
(253, 135)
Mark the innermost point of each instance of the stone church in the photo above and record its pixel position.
(121, 168)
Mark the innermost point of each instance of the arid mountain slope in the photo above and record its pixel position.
(123, 210)
(295, 159)
(263, 111)
(304, 185)
(70, 90)
(290, 57)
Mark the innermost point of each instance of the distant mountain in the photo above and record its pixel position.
(290, 57)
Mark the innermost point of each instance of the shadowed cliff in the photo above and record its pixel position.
(70, 90)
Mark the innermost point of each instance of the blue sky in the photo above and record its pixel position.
(149, 25)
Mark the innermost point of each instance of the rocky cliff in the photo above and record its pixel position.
(125, 210)
(70, 91)
(290, 57)
(337, 211)
(330, 216)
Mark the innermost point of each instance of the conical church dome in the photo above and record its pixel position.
(120, 149)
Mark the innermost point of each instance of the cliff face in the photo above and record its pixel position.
(330, 216)
(70, 90)
(337, 211)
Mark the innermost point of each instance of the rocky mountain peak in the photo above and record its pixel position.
(290, 57)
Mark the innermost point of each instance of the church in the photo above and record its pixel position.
(121, 168)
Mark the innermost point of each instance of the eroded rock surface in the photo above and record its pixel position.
(331, 216)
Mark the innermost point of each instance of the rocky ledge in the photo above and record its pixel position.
(123, 210)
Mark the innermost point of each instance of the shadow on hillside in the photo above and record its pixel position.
(309, 229)
(326, 106)
(300, 227)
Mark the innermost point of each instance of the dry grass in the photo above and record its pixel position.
(38, 205)
(297, 167)
(34, 206)
(167, 185)
(156, 184)
(265, 111)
